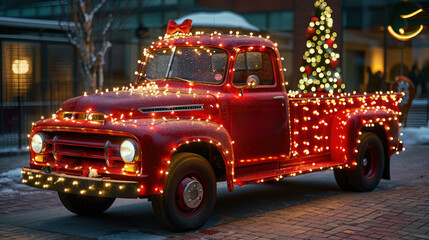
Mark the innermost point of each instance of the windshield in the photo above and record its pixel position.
(194, 64)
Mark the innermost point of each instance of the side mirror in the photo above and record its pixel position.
(252, 81)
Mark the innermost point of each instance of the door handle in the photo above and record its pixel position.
(279, 97)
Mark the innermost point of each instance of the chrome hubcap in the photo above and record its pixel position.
(193, 194)
(364, 162)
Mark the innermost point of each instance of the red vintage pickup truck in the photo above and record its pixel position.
(203, 109)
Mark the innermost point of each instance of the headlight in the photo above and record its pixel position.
(37, 143)
(128, 150)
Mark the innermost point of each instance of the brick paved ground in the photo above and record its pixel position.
(398, 213)
(399, 210)
(18, 197)
(18, 202)
(14, 232)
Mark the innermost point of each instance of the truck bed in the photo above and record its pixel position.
(312, 121)
(311, 117)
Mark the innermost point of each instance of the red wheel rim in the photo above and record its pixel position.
(370, 162)
(189, 187)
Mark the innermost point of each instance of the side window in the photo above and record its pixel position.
(253, 63)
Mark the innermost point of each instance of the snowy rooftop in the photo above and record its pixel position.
(225, 19)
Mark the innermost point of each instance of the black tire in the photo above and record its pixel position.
(342, 179)
(85, 205)
(193, 173)
(369, 169)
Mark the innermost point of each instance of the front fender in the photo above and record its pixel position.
(160, 138)
(184, 132)
(349, 124)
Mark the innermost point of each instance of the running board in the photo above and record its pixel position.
(290, 171)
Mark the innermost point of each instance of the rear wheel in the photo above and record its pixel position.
(369, 169)
(189, 194)
(85, 205)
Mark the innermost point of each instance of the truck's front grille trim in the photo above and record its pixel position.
(79, 116)
(176, 108)
(83, 146)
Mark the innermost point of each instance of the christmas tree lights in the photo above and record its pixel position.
(320, 70)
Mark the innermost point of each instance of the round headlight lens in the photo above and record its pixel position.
(37, 143)
(128, 150)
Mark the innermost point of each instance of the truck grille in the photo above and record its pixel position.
(172, 108)
(71, 147)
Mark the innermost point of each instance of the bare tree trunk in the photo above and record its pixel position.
(93, 77)
(101, 75)
(85, 77)
(81, 35)
(101, 54)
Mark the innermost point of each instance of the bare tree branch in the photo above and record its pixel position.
(74, 15)
(100, 55)
(88, 28)
(99, 5)
(108, 26)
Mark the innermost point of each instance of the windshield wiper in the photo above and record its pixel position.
(177, 79)
(145, 79)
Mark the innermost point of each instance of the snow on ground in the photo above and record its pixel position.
(415, 136)
(10, 181)
(420, 102)
(13, 175)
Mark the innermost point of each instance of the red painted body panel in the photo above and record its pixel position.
(261, 133)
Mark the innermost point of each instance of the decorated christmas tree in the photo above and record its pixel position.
(320, 71)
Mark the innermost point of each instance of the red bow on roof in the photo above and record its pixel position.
(185, 27)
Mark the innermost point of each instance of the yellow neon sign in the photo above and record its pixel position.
(412, 14)
(402, 36)
(399, 14)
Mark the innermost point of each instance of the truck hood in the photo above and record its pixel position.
(135, 99)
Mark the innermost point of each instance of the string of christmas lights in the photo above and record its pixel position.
(312, 117)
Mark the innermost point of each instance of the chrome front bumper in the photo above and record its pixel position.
(80, 185)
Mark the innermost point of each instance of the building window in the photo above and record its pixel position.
(277, 20)
(281, 20)
(60, 71)
(258, 19)
(21, 75)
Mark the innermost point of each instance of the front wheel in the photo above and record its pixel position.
(85, 205)
(189, 194)
(369, 169)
